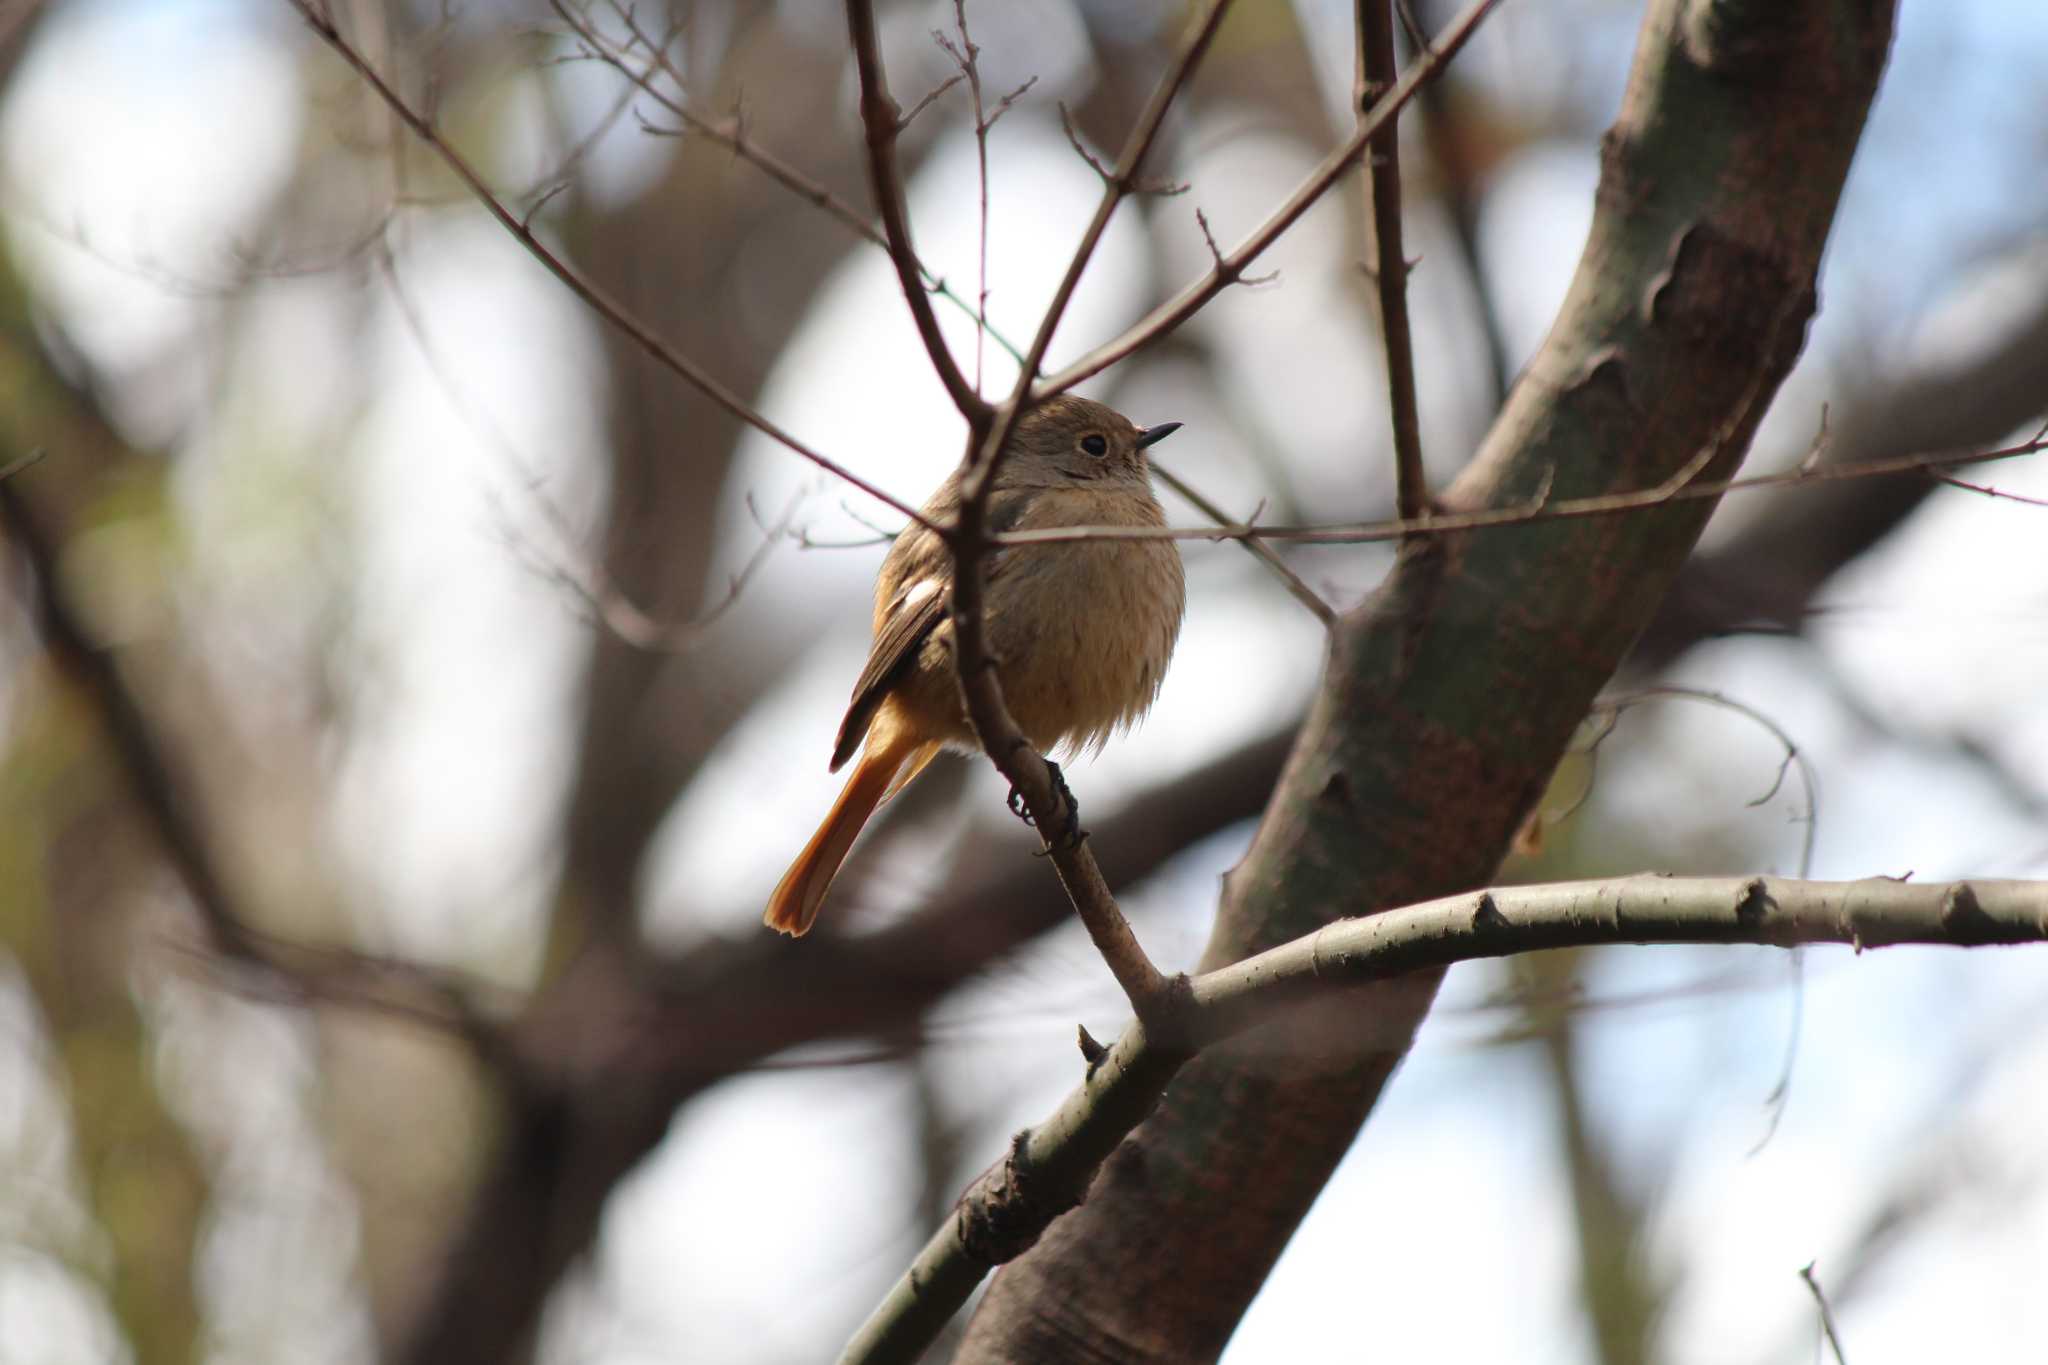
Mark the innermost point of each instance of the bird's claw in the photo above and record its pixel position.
(1071, 834)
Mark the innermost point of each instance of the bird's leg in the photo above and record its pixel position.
(1071, 834)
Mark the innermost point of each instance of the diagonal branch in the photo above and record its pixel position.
(1264, 553)
(883, 122)
(1048, 1168)
(731, 134)
(585, 288)
(1375, 21)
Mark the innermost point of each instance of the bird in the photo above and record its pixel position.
(1081, 631)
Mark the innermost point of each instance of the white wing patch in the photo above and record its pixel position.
(915, 593)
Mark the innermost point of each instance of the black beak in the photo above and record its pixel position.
(1159, 433)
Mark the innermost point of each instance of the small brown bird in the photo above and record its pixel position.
(1081, 632)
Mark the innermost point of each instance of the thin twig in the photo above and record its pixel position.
(1375, 24)
(1795, 757)
(968, 57)
(1216, 256)
(731, 135)
(1532, 512)
(1988, 491)
(1117, 185)
(21, 462)
(608, 604)
(1264, 553)
(581, 285)
(630, 622)
(1184, 305)
(1049, 1167)
(930, 97)
(1827, 1317)
(882, 121)
(1781, 1091)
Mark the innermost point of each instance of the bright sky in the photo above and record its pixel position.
(143, 139)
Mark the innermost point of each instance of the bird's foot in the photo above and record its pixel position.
(1071, 834)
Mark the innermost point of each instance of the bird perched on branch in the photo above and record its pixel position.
(1081, 631)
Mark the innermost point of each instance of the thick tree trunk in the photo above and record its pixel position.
(1450, 695)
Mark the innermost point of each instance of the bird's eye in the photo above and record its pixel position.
(1094, 445)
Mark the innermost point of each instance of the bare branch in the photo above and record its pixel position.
(1003, 104)
(1192, 299)
(581, 285)
(618, 613)
(731, 134)
(883, 122)
(1795, 757)
(1117, 185)
(968, 57)
(1264, 553)
(1048, 1168)
(1827, 1317)
(1102, 172)
(1988, 491)
(1533, 512)
(1223, 268)
(930, 96)
(1375, 25)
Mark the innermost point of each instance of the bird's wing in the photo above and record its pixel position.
(920, 604)
(915, 614)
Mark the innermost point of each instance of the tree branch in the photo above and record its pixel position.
(882, 121)
(1264, 553)
(1766, 575)
(731, 133)
(1049, 1168)
(1191, 300)
(1375, 25)
(1540, 509)
(601, 302)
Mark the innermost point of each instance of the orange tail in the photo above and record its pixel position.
(875, 779)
